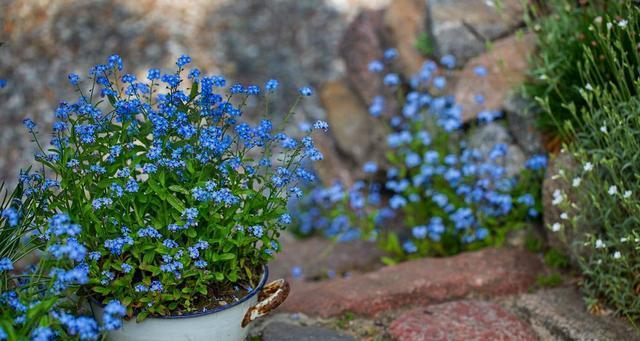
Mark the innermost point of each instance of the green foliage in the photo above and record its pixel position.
(549, 281)
(556, 259)
(533, 242)
(425, 44)
(606, 135)
(565, 38)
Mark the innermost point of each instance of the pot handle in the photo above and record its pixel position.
(269, 298)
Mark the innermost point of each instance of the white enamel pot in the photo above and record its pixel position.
(225, 323)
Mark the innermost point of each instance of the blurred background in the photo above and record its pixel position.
(247, 41)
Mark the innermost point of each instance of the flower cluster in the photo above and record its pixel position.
(177, 195)
(38, 304)
(450, 195)
(453, 196)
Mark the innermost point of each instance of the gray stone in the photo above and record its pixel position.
(486, 136)
(317, 256)
(521, 116)
(281, 331)
(560, 314)
(461, 27)
(569, 239)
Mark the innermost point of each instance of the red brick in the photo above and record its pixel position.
(488, 272)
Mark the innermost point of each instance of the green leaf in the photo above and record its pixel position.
(178, 189)
(175, 203)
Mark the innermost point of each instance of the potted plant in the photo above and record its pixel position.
(181, 201)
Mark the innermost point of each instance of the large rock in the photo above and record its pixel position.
(363, 41)
(489, 272)
(521, 116)
(357, 133)
(560, 314)
(460, 320)
(486, 136)
(317, 256)
(406, 20)
(506, 65)
(334, 166)
(569, 239)
(462, 27)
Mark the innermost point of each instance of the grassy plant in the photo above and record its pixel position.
(564, 38)
(606, 135)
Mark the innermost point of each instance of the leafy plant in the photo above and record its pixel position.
(564, 38)
(181, 202)
(37, 303)
(451, 197)
(606, 138)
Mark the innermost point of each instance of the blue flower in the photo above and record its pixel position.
(126, 268)
(271, 85)
(12, 216)
(200, 264)
(256, 230)
(149, 232)
(183, 60)
(375, 66)
(409, 247)
(156, 286)
(449, 61)
(29, 124)
(397, 201)
(321, 125)
(285, 219)
(419, 232)
(296, 272)
(390, 53)
(3, 83)
(73, 79)
(140, 288)
(6, 264)
(101, 202)
(305, 91)
(537, 162)
(43, 334)
(480, 70)
(153, 74)
(114, 311)
(412, 160)
(391, 79)
(370, 167)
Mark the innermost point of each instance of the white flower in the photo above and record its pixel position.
(627, 194)
(556, 227)
(617, 255)
(603, 129)
(599, 244)
(543, 77)
(598, 20)
(564, 216)
(623, 240)
(490, 3)
(609, 25)
(576, 182)
(588, 167)
(588, 87)
(557, 197)
(623, 23)
(613, 190)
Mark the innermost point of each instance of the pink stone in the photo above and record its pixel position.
(460, 320)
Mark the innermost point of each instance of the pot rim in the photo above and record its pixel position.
(263, 281)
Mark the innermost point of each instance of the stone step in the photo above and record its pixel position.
(282, 331)
(460, 320)
(560, 314)
(489, 272)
